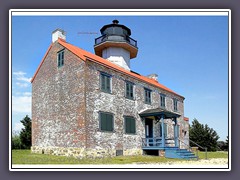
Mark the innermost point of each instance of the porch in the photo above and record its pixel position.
(160, 140)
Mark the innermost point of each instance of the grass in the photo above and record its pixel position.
(26, 157)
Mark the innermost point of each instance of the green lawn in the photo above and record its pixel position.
(26, 157)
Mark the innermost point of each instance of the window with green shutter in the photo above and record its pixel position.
(129, 90)
(106, 121)
(147, 95)
(60, 58)
(105, 81)
(130, 125)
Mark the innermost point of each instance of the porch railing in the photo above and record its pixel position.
(191, 148)
(155, 142)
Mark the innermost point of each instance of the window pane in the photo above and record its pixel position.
(102, 82)
(108, 84)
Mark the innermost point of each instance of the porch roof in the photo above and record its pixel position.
(159, 112)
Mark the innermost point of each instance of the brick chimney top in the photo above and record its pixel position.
(58, 33)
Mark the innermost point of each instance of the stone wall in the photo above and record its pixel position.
(82, 152)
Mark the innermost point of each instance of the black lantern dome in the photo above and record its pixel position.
(115, 35)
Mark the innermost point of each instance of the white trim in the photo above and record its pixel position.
(120, 12)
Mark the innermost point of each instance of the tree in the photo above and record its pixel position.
(203, 135)
(227, 146)
(16, 141)
(26, 133)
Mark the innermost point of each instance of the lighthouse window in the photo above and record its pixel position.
(105, 81)
(60, 58)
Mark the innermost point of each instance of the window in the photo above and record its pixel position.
(106, 121)
(147, 96)
(165, 130)
(129, 90)
(162, 100)
(130, 125)
(175, 104)
(105, 82)
(61, 58)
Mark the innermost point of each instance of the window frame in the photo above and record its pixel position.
(60, 61)
(163, 103)
(147, 100)
(106, 77)
(125, 125)
(175, 104)
(100, 121)
(133, 90)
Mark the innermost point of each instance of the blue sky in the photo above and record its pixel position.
(189, 54)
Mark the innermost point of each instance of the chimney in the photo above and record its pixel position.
(58, 33)
(153, 76)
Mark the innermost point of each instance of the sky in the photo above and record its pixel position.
(189, 54)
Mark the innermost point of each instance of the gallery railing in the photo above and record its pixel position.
(116, 38)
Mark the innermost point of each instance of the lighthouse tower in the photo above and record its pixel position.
(115, 44)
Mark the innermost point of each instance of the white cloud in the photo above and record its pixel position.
(17, 127)
(22, 84)
(27, 94)
(21, 76)
(21, 104)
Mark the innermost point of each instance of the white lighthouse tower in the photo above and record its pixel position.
(116, 45)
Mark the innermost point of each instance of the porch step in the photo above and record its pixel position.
(180, 154)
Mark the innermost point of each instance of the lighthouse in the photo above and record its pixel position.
(116, 45)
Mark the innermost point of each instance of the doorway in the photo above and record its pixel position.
(149, 131)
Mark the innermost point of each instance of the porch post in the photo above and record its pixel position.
(163, 138)
(176, 133)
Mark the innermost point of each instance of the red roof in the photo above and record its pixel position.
(186, 119)
(84, 55)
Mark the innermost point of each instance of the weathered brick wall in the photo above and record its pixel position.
(120, 106)
(65, 109)
(58, 102)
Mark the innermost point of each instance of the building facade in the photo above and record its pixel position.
(94, 105)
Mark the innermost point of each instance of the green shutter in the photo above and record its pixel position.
(109, 122)
(106, 123)
(133, 126)
(130, 126)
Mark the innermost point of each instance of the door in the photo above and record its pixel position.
(149, 131)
